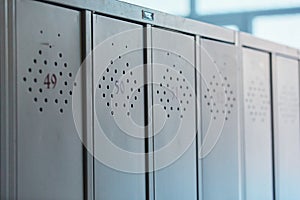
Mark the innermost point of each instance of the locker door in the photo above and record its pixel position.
(49, 151)
(174, 115)
(287, 140)
(220, 145)
(119, 117)
(257, 125)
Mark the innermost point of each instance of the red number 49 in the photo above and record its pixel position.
(50, 80)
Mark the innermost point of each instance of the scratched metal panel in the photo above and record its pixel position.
(174, 115)
(287, 138)
(220, 141)
(119, 109)
(257, 125)
(49, 151)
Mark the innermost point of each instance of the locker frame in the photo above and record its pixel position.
(149, 144)
(250, 41)
(8, 94)
(240, 113)
(198, 115)
(88, 165)
(134, 13)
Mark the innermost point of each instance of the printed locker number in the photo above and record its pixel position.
(120, 87)
(175, 93)
(50, 81)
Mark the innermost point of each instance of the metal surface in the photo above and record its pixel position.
(4, 158)
(248, 40)
(221, 162)
(150, 190)
(174, 114)
(131, 12)
(257, 125)
(118, 95)
(198, 114)
(240, 103)
(3, 143)
(88, 136)
(49, 152)
(42, 156)
(8, 101)
(286, 119)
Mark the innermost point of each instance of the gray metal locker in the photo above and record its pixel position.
(123, 124)
(286, 120)
(119, 116)
(220, 146)
(174, 113)
(257, 125)
(49, 151)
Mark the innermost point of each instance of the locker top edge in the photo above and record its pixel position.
(249, 40)
(136, 14)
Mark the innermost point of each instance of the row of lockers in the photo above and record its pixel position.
(98, 107)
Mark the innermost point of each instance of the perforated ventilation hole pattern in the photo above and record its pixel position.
(216, 88)
(49, 78)
(257, 100)
(288, 104)
(120, 87)
(174, 91)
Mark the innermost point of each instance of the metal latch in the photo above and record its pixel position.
(148, 15)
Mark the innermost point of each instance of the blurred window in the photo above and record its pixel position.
(284, 29)
(225, 6)
(233, 27)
